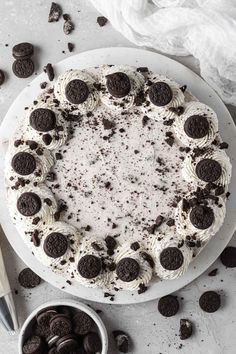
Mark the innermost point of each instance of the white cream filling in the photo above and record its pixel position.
(145, 273)
(186, 228)
(60, 87)
(45, 214)
(196, 108)
(44, 163)
(163, 112)
(158, 243)
(189, 167)
(126, 102)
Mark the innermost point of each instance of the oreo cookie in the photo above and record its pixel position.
(89, 266)
(60, 325)
(83, 323)
(28, 279)
(160, 94)
(168, 305)
(196, 127)
(127, 269)
(2, 77)
(202, 217)
(208, 170)
(171, 258)
(186, 329)
(210, 301)
(92, 343)
(67, 344)
(23, 163)
(42, 119)
(33, 345)
(55, 245)
(43, 317)
(23, 68)
(23, 50)
(118, 84)
(76, 91)
(29, 204)
(228, 257)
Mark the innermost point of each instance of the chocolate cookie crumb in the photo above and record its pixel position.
(55, 12)
(224, 145)
(2, 77)
(28, 279)
(135, 246)
(142, 288)
(186, 329)
(43, 85)
(213, 272)
(49, 71)
(70, 46)
(68, 27)
(102, 21)
(183, 88)
(122, 341)
(228, 257)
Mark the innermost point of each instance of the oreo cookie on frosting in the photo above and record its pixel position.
(89, 266)
(127, 269)
(160, 94)
(76, 91)
(201, 216)
(171, 258)
(55, 245)
(23, 163)
(29, 204)
(42, 119)
(118, 84)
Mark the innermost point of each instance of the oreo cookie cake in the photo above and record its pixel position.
(117, 175)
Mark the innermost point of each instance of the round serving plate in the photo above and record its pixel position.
(199, 88)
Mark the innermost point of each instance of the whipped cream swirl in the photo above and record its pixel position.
(44, 162)
(190, 163)
(43, 217)
(186, 228)
(200, 109)
(145, 273)
(100, 251)
(163, 112)
(60, 87)
(73, 236)
(136, 83)
(160, 242)
(59, 134)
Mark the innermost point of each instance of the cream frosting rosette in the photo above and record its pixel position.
(32, 207)
(45, 122)
(202, 220)
(168, 108)
(171, 255)
(133, 268)
(91, 263)
(212, 166)
(134, 81)
(58, 245)
(197, 126)
(27, 162)
(76, 91)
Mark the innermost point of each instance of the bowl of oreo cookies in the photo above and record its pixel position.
(63, 327)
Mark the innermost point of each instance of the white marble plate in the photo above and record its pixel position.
(199, 88)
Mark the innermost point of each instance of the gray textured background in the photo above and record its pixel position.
(151, 334)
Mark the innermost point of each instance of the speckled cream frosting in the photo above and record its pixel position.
(115, 178)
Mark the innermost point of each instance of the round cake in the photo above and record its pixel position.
(116, 176)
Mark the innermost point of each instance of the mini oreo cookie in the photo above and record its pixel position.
(89, 266)
(127, 269)
(29, 204)
(55, 245)
(208, 170)
(23, 50)
(42, 119)
(118, 84)
(83, 323)
(92, 343)
(168, 305)
(202, 217)
(210, 301)
(60, 325)
(33, 345)
(160, 94)
(76, 91)
(171, 258)
(23, 163)
(196, 127)
(67, 344)
(28, 279)
(228, 257)
(23, 68)
(43, 317)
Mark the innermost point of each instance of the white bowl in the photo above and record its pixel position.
(26, 328)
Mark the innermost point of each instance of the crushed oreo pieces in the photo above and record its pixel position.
(122, 341)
